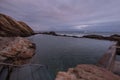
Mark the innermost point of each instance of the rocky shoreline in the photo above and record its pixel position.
(114, 37)
(13, 45)
(87, 72)
(16, 50)
(55, 34)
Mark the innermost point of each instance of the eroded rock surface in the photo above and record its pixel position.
(16, 49)
(87, 72)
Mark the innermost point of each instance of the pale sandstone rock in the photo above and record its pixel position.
(87, 72)
(17, 49)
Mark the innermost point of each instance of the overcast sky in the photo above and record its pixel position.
(96, 15)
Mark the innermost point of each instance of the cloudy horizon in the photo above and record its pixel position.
(93, 15)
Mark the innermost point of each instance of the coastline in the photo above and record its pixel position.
(113, 37)
(21, 49)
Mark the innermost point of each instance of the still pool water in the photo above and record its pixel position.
(61, 53)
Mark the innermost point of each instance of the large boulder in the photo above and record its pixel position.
(16, 49)
(11, 27)
(87, 72)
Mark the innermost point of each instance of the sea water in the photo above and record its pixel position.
(61, 53)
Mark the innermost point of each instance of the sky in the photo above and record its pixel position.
(65, 15)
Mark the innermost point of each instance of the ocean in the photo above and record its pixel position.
(61, 53)
(82, 33)
(57, 53)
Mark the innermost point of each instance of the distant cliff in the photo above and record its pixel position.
(10, 27)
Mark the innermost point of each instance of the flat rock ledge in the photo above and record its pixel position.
(16, 50)
(86, 72)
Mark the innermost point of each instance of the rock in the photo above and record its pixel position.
(16, 49)
(115, 35)
(87, 72)
(52, 33)
(49, 33)
(11, 27)
(94, 36)
(99, 37)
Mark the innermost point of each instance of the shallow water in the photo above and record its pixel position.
(61, 53)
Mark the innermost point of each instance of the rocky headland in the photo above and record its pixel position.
(13, 47)
(114, 37)
(9, 27)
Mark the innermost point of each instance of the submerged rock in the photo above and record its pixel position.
(11, 27)
(16, 49)
(87, 72)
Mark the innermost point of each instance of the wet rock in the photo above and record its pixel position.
(94, 36)
(16, 49)
(114, 37)
(87, 72)
(10, 27)
(49, 33)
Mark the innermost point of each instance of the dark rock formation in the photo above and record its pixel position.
(10, 27)
(115, 35)
(94, 36)
(111, 38)
(87, 72)
(16, 50)
(49, 33)
(56, 34)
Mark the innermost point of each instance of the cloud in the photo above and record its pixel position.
(81, 26)
(63, 14)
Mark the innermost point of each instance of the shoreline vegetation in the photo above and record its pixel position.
(16, 49)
